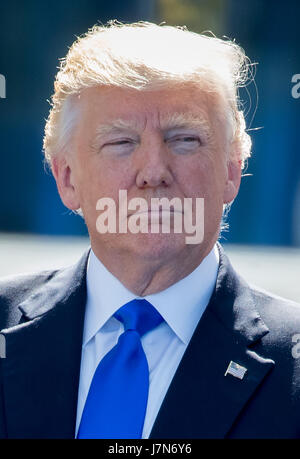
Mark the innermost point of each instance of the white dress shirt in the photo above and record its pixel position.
(181, 305)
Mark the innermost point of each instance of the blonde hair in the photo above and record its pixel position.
(146, 56)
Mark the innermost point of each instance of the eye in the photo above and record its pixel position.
(119, 142)
(184, 143)
(119, 146)
(187, 139)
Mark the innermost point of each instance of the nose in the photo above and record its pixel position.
(153, 167)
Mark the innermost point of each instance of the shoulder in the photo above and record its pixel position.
(282, 317)
(26, 296)
(254, 312)
(277, 312)
(281, 343)
(14, 289)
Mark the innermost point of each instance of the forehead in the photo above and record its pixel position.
(164, 107)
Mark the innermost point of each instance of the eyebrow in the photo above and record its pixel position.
(117, 125)
(114, 127)
(174, 120)
(179, 120)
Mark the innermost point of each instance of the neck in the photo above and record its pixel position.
(145, 276)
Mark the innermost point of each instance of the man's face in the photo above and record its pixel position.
(153, 144)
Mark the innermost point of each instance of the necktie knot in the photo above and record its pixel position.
(138, 315)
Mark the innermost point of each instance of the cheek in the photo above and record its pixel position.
(116, 175)
(202, 177)
(106, 177)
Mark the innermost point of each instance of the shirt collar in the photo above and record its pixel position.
(181, 305)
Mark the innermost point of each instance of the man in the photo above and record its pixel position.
(150, 111)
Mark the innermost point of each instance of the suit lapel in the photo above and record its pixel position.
(43, 353)
(201, 402)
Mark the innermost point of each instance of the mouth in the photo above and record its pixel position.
(149, 211)
(160, 212)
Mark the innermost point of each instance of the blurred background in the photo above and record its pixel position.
(37, 231)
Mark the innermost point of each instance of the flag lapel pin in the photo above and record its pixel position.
(236, 370)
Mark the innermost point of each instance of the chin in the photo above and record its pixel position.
(157, 246)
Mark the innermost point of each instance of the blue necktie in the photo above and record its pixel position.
(117, 400)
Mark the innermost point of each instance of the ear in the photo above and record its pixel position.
(67, 190)
(233, 180)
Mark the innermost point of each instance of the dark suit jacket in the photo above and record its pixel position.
(41, 317)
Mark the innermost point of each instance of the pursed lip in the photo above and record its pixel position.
(155, 212)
